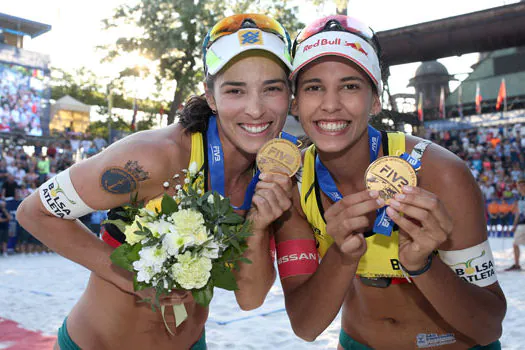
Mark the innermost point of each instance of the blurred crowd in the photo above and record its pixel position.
(495, 157)
(23, 170)
(20, 99)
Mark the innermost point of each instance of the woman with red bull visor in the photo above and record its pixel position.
(417, 272)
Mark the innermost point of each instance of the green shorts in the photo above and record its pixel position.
(350, 344)
(66, 343)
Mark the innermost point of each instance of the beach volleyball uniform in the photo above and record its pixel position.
(66, 343)
(350, 344)
(381, 258)
(519, 234)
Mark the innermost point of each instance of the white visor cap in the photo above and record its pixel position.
(227, 47)
(338, 43)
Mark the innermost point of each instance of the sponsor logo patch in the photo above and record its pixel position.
(250, 37)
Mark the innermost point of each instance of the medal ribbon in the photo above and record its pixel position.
(383, 224)
(216, 164)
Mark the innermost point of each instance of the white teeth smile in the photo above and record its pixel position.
(332, 126)
(255, 129)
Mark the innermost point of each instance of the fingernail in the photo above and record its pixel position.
(399, 196)
(380, 201)
(262, 176)
(394, 203)
(373, 193)
(391, 212)
(408, 188)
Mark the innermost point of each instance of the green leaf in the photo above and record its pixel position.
(120, 257)
(223, 277)
(169, 205)
(119, 223)
(133, 253)
(139, 285)
(232, 219)
(235, 244)
(245, 260)
(204, 295)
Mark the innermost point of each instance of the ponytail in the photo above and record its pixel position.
(196, 112)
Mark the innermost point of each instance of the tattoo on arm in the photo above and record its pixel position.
(119, 180)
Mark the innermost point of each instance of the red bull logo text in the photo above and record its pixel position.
(322, 42)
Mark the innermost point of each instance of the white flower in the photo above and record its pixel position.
(201, 236)
(150, 263)
(187, 222)
(211, 250)
(159, 227)
(194, 167)
(173, 242)
(144, 273)
(131, 237)
(210, 199)
(192, 272)
(154, 257)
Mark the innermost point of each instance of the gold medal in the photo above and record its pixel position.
(279, 156)
(388, 175)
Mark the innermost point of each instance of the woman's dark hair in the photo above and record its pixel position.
(196, 112)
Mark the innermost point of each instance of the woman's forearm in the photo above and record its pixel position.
(71, 239)
(255, 280)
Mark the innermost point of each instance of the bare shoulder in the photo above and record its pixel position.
(448, 177)
(439, 166)
(139, 163)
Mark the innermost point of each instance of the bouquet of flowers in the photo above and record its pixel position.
(190, 241)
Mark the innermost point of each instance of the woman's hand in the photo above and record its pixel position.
(426, 224)
(273, 196)
(346, 221)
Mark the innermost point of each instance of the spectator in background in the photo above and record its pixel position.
(38, 149)
(51, 151)
(52, 172)
(494, 214)
(20, 173)
(9, 157)
(3, 172)
(31, 176)
(9, 187)
(12, 167)
(5, 217)
(100, 143)
(42, 166)
(519, 226)
(12, 204)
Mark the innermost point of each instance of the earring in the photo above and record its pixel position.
(214, 111)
